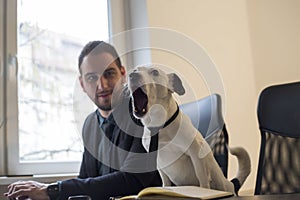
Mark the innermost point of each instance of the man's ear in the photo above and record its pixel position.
(175, 84)
(123, 73)
(81, 83)
(123, 70)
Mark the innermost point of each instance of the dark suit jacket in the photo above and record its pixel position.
(115, 163)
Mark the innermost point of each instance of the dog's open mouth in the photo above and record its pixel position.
(140, 102)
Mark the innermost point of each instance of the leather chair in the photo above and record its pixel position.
(279, 123)
(206, 115)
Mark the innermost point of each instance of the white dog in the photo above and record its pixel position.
(184, 157)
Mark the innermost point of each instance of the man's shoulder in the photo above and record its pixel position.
(91, 116)
(90, 128)
(90, 119)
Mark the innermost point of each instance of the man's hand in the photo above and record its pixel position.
(27, 190)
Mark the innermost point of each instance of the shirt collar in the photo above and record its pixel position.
(100, 118)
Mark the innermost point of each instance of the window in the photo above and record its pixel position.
(45, 39)
(39, 93)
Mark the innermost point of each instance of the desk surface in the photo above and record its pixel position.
(267, 197)
(256, 197)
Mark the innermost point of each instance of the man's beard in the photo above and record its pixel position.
(103, 106)
(117, 95)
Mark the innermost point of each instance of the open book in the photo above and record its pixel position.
(180, 192)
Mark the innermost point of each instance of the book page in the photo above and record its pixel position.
(192, 192)
(184, 191)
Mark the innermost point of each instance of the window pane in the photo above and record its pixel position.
(51, 34)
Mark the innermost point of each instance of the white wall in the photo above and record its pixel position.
(275, 40)
(253, 43)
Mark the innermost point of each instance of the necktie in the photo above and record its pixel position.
(108, 128)
(105, 149)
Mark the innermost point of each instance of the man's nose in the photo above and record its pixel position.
(102, 83)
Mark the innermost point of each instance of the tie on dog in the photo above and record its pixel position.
(147, 139)
(150, 138)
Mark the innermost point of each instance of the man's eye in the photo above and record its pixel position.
(155, 72)
(109, 74)
(92, 78)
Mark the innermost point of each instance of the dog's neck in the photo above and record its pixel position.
(150, 131)
(172, 118)
(171, 106)
(173, 111)
(160, 113)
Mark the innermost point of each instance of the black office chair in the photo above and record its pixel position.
(279, 124)
(206, 115)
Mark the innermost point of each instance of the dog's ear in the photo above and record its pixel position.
(175, 84)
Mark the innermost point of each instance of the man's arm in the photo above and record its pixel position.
(102, 187)
(113, 184)
(137, 172)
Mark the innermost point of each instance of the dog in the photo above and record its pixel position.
(183, 157)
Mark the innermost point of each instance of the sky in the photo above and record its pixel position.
(77, 18)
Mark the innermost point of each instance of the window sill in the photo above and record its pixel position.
(45, 178)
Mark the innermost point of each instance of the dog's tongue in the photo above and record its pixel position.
(140, 101)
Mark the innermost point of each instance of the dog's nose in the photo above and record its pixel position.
(134, 75)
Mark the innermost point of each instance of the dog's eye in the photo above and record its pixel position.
(155, 72)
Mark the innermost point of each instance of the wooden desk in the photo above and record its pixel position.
(256, 197)
(267, 197)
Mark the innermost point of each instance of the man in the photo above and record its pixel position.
(114, 161)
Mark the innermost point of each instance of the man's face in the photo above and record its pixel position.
(100, 75)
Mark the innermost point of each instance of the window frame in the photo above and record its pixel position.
(2, 108)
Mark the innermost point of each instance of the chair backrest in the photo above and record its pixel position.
(279, 123)
(206, 116)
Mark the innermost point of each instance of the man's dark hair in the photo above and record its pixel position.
(97, 47)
